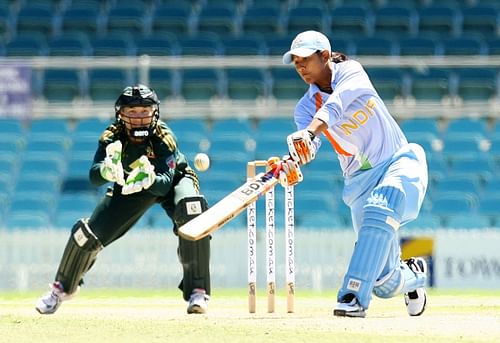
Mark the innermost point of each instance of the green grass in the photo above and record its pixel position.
(159, 316)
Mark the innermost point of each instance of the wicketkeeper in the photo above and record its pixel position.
(138, 154)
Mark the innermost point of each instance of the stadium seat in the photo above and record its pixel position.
(50, 128)
(79, 164)
(465, 183)
(417, 46)
(249, 45)
(245, 84)
(349, 21)
(482, 166)
(32, 18)
(232, 128)
(476, 127)
(450, 203)
(114, 44)
(125, 18)
(468, 221)
(80, 20)
(286, 84)
(171, 18)
(477, 84)
(304, 17)
(217, 19)
(463, 46)
(203, 44)
(460, 146)
(24, 220)
(431, 84)
(92, 127)
(424, 221)
(436, 20)
(26, 46)
(107, 84)
(390, 20)
(421, 125)
(480, 20)
(156, 45)
(278, 45)
(375, 46)
(195, 127)
(199, 84)
(387, 82)
(69, 44)
(61, 85)
(261, 20)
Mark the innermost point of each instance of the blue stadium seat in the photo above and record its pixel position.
(387, 82)
(50, 128)
(468, 221)
(199, 84)
(79, 164)
(349, 21)
(391, 20)
(203, 44)
(275, 126)
(493, 45)
(77, 202)
(26, 46)
(267, 145)
(81, 20)
(195, 128)
(46, 185)
(245, 83)
(424, 221)
(243, 46)
(477, 84)
(436, 20)
(232, 128)
(488, 206)
(217, 19)
(287, 85)
(480, 20)
(464, 182)
(23, 220)
(425, 139)
(417, 46)
(32, 18)
(170, 18)
(107, 84)
(11, 127)
(304, 17)
(377, 46)
(69, 44)
(156, 45)
(482, 166)
(119, 44)
(38, 166)
(454, 146)
(92, 127)
(47, 144)
(61, 85)
(278, 45)
(463, 46)
(421, 125)
(476, 127)
(431, 84)
(126, 18)
(261, 20)
(451, 203)
(161, 80)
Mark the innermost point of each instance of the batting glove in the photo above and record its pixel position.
(286, 170)
(301, 147)
(141, 177)
(112, 168)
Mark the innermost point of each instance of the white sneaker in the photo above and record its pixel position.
(50, 302)
(416, 300)
(349, 307)
(198, 301)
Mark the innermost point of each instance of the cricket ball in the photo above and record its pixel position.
(201, 162)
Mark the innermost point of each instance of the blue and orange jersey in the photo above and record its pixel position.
(360, 128)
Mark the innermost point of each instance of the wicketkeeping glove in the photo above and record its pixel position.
(112, 168)
(301, 147)
(141, 177)
(286, 170)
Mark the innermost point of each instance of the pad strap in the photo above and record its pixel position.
(188, 208)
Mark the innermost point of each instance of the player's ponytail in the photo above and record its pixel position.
(338, 57)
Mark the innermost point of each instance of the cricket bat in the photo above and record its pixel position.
(228, 208)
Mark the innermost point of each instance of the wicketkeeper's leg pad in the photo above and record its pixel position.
(78, 257)
(188, 208)
(195, 259)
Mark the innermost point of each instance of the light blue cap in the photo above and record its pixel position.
(306, 44)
